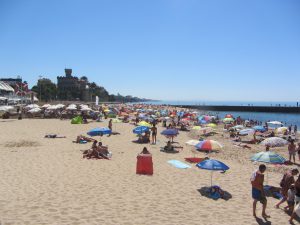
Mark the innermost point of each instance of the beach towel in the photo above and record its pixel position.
(178, 164)
(194, 160)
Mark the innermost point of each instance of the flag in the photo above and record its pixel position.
(21, 88)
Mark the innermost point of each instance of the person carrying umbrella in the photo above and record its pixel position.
(257, 181)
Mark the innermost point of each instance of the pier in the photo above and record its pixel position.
(271, 109)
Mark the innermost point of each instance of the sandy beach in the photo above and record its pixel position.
(46, 181)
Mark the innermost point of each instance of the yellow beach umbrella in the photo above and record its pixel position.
(212, 125)
(196, 128)
(144, 123)
(281, 130)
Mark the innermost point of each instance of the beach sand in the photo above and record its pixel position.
(46, 181)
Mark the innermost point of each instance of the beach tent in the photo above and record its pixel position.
(76, 120)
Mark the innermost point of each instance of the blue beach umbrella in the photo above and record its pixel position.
(140, 129)
(99, 131)
(170, 132)
(212, 165)
(268, 157)
(260, 128)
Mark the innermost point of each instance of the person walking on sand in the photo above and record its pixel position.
(285, 184)
(257, 181)
(292, 151)
(297, 201)
(154, 133)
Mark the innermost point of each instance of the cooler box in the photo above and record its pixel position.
(144, 164)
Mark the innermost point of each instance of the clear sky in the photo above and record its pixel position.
(238, 50)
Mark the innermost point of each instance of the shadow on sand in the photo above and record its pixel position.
(205, 191)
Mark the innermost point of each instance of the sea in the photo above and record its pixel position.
(286, 118)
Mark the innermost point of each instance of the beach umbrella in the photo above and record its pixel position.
(35, 110)
(60, 106)
(140, 129)
(281, 130)
(212, 165)
(229, 116)
(144, 123)
(116, 120)
(99, 131)
(259, 128)
(268, 157)
(31, 106)
(204, 130)
(275, 123)
(45, 106)
(212, 125)
(170, 132)
(228, 120)
(196, 128)
(86, 109)
(247, 132)
(6, 108)
(238, 127)
(274, 142)
(208, 145)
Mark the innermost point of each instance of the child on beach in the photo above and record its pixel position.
(291, 199)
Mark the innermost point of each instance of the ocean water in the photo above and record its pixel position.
(286, 118)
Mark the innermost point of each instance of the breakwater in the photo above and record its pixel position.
(270, 109)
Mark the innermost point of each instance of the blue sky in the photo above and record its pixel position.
(216, 50)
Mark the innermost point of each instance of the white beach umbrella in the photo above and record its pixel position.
(6, 108)
(238, 127)
(246, 131)
(60, 106)
(46, 106)
(275, 123)
(86, 109)
(52, 107)
(34, 110)
(31, 106)
(274, 142)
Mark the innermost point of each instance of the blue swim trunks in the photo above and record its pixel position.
(257, 195)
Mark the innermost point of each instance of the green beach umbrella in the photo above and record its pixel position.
(268, 157)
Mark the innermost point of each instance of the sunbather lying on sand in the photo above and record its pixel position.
(53, 136)
(83, 138)
(242, 145)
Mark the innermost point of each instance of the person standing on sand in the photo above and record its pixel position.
(257, 181)
(292, 151)
(154, 133)
(110, 125)
(285, 184)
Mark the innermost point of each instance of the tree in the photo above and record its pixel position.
(45, 89)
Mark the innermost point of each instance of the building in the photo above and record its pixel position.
(72, 88)
(12, 81)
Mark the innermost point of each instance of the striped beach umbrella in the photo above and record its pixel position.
(228, 120)
(268, 157)
(209, 145)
